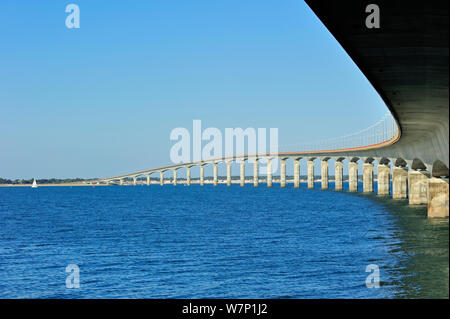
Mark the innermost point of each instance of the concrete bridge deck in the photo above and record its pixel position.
(406, 61)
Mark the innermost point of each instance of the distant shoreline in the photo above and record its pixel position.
(48, 185)
(166, 182)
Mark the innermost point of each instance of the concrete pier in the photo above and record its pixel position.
(438, 192)
(148, 179)
(282, 172)
(269, 172)
(255, 173)
(242, 173)
(188, 176)
(161, 178)
(310, 173)
(134, 180)
(383, 179)
(229, 173)
(324, 174)
(174, 177)
(352, 177)
(202, 175)
(338, 175)
(418, 187)
(367, 177)
(399, 182)
(215, 174)
(296, 173)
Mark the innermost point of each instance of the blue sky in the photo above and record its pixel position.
(101, 100)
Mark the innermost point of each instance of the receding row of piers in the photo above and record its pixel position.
(415, 183)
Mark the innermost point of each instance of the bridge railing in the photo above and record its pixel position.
(381, 132)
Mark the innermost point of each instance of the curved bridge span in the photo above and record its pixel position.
(406, 61)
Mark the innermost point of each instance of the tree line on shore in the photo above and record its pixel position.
(40, 181)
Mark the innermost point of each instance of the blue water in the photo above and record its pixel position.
(216, 242)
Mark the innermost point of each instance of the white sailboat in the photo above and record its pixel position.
(34, 184)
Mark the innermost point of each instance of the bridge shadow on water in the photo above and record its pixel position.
(421, 247)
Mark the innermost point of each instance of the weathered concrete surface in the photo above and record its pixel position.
(438, 192)
(202, 175)
(296, 173)
(188, 176)
(215, 174)
(352, 177)
(255, 174)
(324, 174)
(229, 173)
(174, 177)
(399, 183)
(418, 187)
(310, 174)
(338, 175)
(367, 178)
(269, 172)
(242, 173)
(282, 172)
(384, 179)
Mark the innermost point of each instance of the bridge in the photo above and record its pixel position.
(406, 61)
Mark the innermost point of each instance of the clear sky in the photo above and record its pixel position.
(101, 100)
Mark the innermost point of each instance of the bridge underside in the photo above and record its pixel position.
(406, 61)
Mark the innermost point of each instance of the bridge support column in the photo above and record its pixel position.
(352, 177)
(399, 182)
(242, 173)
(438, 192)
(188, 176)
(310, 173)
(255, 173)
(202, 175)
(383, 179)
(338, 175)
(367, 177)
(161, 178)
(148, 179)
(121, 181)
(229, 173)
(134, 180)
(174, 177)
(269, 172)
(282, 172)
(296, 173)
(418, 187)
(215, 174)
(324, 174)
